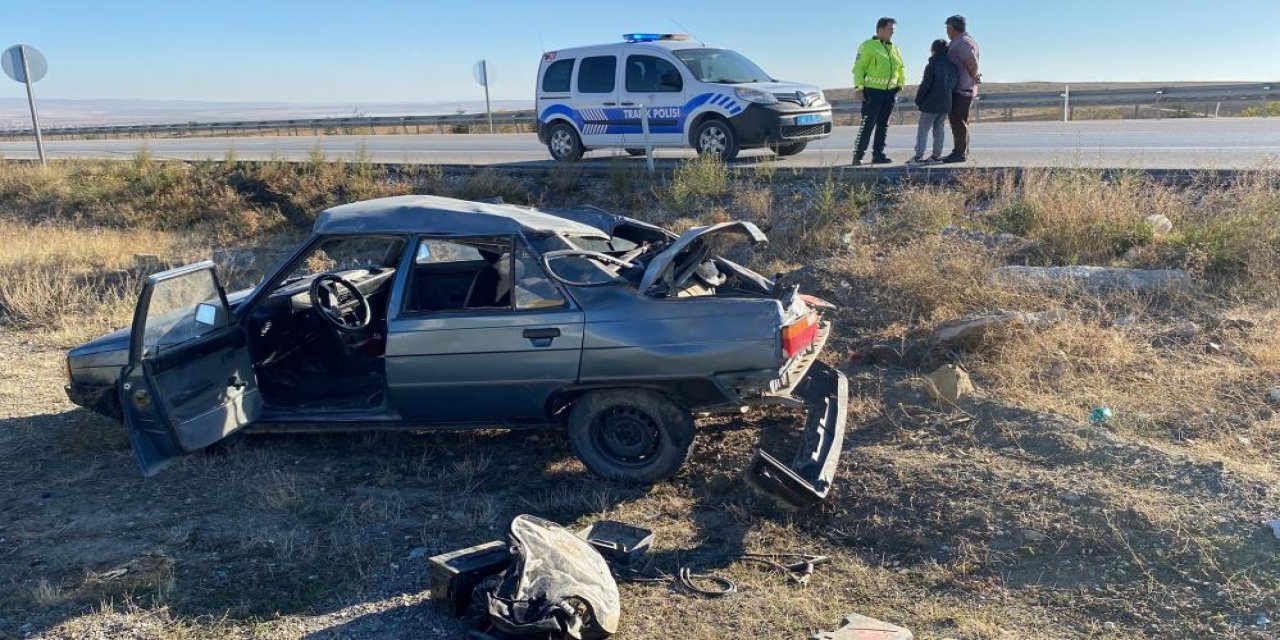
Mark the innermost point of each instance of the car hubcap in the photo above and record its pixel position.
(561, 142)
(626, 434)
(713, 140)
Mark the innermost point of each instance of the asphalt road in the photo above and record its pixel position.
(1235, 143)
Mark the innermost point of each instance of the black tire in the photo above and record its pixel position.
(715, 138)
(790, 148)
(635, 152)
(564, 143)
(630, 435)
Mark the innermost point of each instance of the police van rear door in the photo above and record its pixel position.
(595, 98)
(655, 82)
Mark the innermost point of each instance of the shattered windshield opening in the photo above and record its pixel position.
(584, 261)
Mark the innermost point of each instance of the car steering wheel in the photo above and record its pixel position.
(347, 310)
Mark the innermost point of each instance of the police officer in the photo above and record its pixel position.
(878, 75)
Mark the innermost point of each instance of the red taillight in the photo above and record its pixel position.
(798, 335)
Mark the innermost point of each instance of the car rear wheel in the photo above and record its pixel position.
(715, 138)
(632, 435)
(564, 143)
(791, 148)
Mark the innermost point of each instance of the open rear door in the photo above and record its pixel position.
(189, 382)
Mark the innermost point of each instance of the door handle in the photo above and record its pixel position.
(542, 334)
(628, 104)
(608, 104)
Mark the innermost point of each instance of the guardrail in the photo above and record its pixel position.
(1100, 97)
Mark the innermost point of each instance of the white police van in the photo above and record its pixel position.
(715, 100)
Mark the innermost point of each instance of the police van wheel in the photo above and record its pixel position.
(564, 143)
(635, 152)
(715, 138)
(790, 149)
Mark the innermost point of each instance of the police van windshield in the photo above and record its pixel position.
(721, 66)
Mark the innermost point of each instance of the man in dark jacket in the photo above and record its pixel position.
(964, 53)
(933, 99)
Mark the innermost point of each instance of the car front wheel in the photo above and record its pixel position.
(715, 138)
(632, 435)
(564, 143)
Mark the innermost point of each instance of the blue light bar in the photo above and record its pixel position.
(653, 37)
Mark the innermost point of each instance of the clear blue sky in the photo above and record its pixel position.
(379, 50)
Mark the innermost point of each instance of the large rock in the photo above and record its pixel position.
(968, 332)
(1095, 280)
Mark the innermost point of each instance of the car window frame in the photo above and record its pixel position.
(582, 63)
(573, 67)
(268, 285)
(626, 75)
(517, 240)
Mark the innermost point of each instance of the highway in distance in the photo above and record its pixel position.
(1227, 143)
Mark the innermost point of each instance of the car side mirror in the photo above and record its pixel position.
(211, 315)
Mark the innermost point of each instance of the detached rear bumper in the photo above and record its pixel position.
(825, 392)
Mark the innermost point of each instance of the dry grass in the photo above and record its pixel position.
(1007, 517)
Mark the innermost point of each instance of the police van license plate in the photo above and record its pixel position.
(812, 118)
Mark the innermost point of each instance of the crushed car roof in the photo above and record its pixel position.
(444, 216)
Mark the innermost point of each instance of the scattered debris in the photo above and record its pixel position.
(1273, 396)
(454, 575)
(949, 383)
(859, 627)
(1094, 280)
(968, 332)
(1160, 225)
(617, 542)
(1100, 415)
(1275, 528)
(556, 583)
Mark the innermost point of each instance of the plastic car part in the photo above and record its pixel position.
(618, 542)
(454, 575)
(808, 479)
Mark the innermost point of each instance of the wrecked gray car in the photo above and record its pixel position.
(422, 312)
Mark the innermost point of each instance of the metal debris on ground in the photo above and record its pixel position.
(859, 627)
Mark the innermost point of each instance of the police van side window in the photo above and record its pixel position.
(650, 74)
(556, 78)
(597, 74)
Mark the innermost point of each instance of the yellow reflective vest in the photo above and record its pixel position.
(879, 66)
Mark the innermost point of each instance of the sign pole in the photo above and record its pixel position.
(31, 101)
(484, 69)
